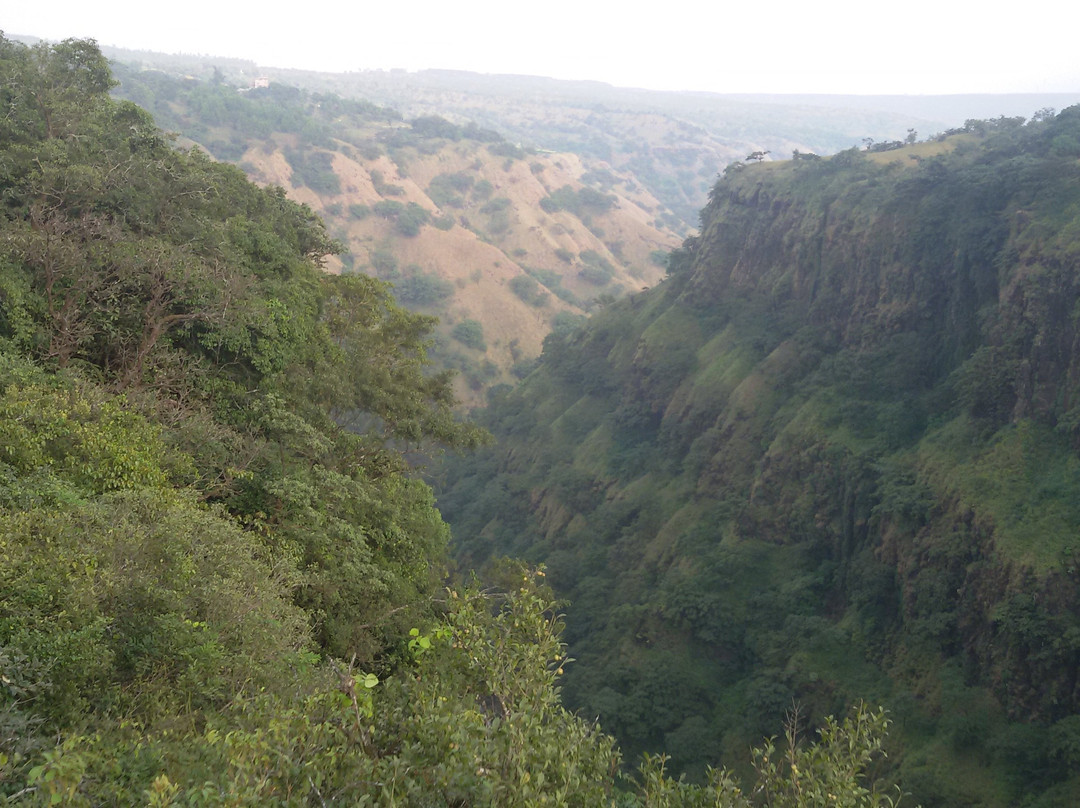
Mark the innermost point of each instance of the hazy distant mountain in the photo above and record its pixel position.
(673, 143)
(503, 243)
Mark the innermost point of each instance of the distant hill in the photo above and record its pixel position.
(673, 143)
(494, 147)
(501, 242)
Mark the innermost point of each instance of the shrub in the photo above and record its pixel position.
(411, 219)
(448, 189)
(581, 202)
(499, 223)
(384, 262)
(423, 289)
(506, 149)
(388, 208)
(595, 275)
(482, 190)
(470, 333)
(496, 205)
(528, 290)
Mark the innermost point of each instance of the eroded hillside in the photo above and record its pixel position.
(503, 244)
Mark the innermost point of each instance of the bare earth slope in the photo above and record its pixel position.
(488, 245)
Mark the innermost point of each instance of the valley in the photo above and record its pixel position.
(442, 439)
(805, 467)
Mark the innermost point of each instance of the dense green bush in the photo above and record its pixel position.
(527, 289)
(423, 289)
(470, 333)
(580, 202)
(449, 189)
(314, 169)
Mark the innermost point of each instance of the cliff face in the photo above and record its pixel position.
(832, 456)
(933, 250)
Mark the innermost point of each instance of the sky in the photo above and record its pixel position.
(919, 47)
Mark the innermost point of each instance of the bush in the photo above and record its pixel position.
(446, 190)
(506, 149)
(314, 169)
(581, 202)
(423, 289)
(499, 223)
(388, 208)
(382, 188)
(496, 205)
(528, 290)
(411, 219)
(482, 190)
(564, 322)
(384, 262)
(435, 126)
(470, 333)
(595, 275)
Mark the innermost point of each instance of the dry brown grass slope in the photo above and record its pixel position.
(482, 253)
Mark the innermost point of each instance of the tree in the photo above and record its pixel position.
(50, 88)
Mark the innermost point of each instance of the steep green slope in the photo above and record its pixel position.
(220, 582)
(833, 456)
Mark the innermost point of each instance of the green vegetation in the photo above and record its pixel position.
(507, 150)
(407, 218)
(421, 288)
(597, 270)
(527, 289)
(410, 220)
(434, 126)
(832, 457)
(315, 170)
(553, 281)
(202, 109)
(659, 257)
(581, 202)
(382, 187)
(449, 189)
(470, 333)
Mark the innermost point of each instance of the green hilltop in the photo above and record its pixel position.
(497, 240)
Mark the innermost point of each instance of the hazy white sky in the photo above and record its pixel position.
(831, 46)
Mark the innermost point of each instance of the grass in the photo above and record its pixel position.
(1025, 481)
(909, 156)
